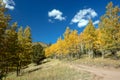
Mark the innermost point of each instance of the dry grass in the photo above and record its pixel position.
(99, 62)
(54, 70)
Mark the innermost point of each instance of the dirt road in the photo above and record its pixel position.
(101, 73)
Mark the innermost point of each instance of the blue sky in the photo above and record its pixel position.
(48, 19)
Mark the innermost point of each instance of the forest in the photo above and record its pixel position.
(17, 49)
(96, 42)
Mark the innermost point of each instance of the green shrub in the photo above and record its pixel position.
(38, 54)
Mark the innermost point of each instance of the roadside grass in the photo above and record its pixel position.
(99, 62)
(54, 70)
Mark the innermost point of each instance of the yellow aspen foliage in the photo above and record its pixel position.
(69, 44)
(89, 35)
(109, 26)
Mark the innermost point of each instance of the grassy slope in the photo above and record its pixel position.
(54, 70)
(99, 62)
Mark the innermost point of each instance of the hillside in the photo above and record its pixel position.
(41, 43)
(53, 69)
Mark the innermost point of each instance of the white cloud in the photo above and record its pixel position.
(83, 16)
(96, 22)
(56, 14)
(83, 22)
(9, 4)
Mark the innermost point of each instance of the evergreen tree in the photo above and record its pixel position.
(38, 53)
(4, 20)
(27, 45)
(11, 45)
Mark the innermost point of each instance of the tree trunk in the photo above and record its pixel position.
(18, 68)
(17, 71)
(91, 54)
(103, 54)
